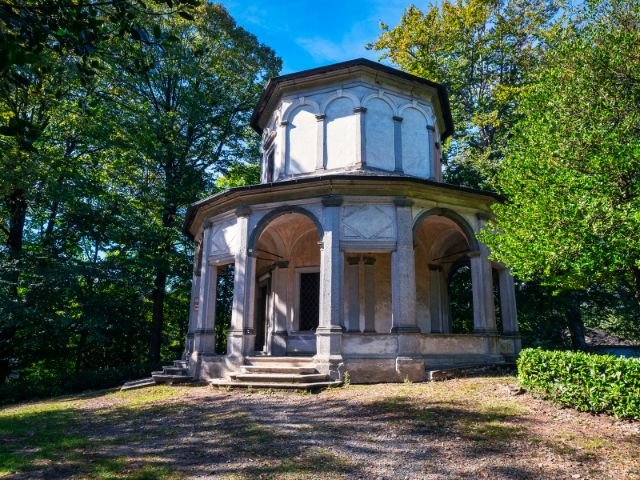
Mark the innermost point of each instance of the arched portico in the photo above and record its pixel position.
(286, 247)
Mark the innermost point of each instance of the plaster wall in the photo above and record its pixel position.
(351, 126)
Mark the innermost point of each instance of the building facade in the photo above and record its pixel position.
(345, 251)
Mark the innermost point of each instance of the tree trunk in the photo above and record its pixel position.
(157, 322)
(636, 280)
(576, 325)
(17, 206)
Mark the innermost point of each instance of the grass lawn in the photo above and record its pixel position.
(466, 428)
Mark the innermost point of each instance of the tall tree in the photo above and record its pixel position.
(182, 102)
(571, 171)
(483, 52)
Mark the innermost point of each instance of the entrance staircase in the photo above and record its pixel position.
(295, 373)
(170, 374)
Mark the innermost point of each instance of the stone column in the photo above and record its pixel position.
(352, 284)
(204, 338)
(508, 303)
(321, 161)
(329, 331)
(360, 136)
(484, 310)
(241, 334)
(444, 301)
(403, 274)
(369, 295)
(397, 143)
(280, 283)
(193, 314)
(435, 298)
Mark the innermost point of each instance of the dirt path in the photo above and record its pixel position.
(467, 428)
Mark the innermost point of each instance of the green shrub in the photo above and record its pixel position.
(585, 381)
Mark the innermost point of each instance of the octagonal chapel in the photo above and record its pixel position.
(342, 259)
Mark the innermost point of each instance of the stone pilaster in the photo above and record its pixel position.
(360, 136)
(403, 275)
(352, 284)
(369, 295)
(329, 331)
(321, 160)
(397, 143)
(432, 165)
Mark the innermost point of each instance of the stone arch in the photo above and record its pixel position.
(300, 102)
(336, 96)
(416, 106)
(300, 132)
(384, 98)
(341, 137)
(453, 216)
(379, 132)
(272, 215)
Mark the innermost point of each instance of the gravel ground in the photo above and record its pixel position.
(473, 428)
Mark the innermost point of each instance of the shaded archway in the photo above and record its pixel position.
(443, 240)
(287, 251)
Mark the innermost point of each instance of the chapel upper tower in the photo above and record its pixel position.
(352, 117)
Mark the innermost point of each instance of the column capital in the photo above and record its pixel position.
(320, 117)
(353, 260)
(402, 202)
(431, 128)
(332, 201)
(473, 253)
(284, 123)
(243, 211)
(483, 217)
(360, 110)
(397, 119)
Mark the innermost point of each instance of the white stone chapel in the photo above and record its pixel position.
(342, 255)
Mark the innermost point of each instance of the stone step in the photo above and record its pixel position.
(161, 377)
(169, 370)
(280, 361)
(144, 382)
(223, 383)
(279, 378)
(278, 369)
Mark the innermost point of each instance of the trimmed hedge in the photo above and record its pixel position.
(585, 381)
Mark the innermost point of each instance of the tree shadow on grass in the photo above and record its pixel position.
(242, 435)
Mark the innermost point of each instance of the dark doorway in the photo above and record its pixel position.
(262, 314)
(309, 300)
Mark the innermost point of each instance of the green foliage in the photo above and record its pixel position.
(570, 174)
(98, 168)
(587, 382)
(483, 52)
(40, 382)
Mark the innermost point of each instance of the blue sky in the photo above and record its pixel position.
(308, 34)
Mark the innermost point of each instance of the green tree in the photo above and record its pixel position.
(570, 174)
(483, 52)
(181, 104)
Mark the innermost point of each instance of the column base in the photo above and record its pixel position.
(279, 343)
